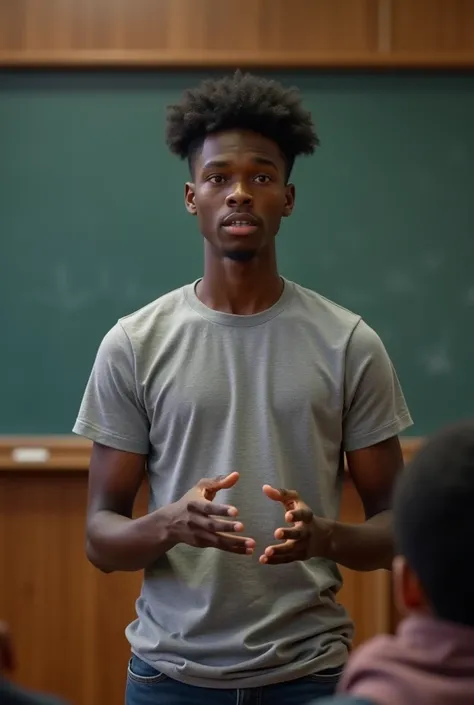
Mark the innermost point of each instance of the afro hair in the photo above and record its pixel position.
(246, 102)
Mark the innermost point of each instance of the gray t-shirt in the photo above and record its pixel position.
(278, 396)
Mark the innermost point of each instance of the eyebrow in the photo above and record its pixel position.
(222, 163)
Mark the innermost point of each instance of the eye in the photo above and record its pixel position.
(262, 178)
(216, 179)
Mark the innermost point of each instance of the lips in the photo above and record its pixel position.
(246, 218)
(240, 224)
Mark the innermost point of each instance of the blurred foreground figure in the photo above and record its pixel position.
(11, 694)
(430, 661)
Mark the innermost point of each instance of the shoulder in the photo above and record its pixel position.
(138, 335)
(373, 654)
(365, 341)
(339, 327)
(325, 310)
(139, 323)
(373, 671)
(337, 324)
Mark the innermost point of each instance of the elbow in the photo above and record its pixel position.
(388, 552)
(95, 555)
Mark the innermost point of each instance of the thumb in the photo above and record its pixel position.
(286, 497)
(272, 493)
(220, 483)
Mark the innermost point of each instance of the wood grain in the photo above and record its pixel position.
(251, 33)
(188, 26)
(440, 27)
(67, 618)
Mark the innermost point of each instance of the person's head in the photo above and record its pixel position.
(240, 135)
(433, 514)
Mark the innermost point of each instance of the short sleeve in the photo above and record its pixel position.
(110, 412)
(374, 405)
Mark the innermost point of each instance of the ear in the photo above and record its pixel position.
(408, 593)
(289, 200)
(190, 198)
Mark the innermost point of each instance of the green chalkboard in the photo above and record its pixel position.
(92, 225)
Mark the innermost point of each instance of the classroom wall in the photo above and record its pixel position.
(67, 618)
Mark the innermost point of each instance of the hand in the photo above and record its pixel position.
(308, 537)
(192, 519)
(7, 661)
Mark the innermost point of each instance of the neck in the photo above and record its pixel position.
(242, 288)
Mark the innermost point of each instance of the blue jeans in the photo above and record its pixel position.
(145, 686)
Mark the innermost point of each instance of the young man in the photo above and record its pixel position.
(248, 378)
(430, 661)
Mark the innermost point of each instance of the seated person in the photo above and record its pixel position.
(430, 661)
(11, 694)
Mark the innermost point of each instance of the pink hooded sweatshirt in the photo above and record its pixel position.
(428, 662)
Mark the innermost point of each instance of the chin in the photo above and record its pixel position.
(240, 255)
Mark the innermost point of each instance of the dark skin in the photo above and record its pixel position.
(116, 541)
(366, 546)
(237, 172)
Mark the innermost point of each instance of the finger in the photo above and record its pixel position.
(211, 525)
(211, 487)
(237, 540)
(278, 559)
(208, 508)
(293, 534)
(303, 514)
(287, 497)
(225, 542)
(224, 483)
(281, 549)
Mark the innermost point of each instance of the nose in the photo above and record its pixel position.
(238, 197)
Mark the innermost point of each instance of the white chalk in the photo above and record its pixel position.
(30, 455)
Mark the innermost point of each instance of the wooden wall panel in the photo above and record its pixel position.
(188, 33)
(336, 28)
(432, 27)
(67, 618)
(185, 31)
(366, 596)
(58, 25)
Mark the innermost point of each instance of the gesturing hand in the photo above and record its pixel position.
(308, 537)
(192, 520)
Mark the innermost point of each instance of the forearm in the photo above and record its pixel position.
(362, 547)
(117, 543)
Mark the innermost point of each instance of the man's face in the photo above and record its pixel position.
(239, 193)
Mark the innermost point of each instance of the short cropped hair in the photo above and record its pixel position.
(433, 514)
(245, 102)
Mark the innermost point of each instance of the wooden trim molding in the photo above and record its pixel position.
(166, 59)
(44, 453)
(71, 454)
